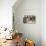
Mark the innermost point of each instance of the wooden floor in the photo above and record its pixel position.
(9, 43)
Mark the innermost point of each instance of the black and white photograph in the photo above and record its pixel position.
(30, 19)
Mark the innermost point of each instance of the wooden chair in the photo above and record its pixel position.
(18, 39)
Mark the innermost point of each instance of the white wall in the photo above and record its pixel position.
(6, 13)
(31, 31)
(43, 22)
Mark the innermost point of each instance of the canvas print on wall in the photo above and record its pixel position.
(30, 19)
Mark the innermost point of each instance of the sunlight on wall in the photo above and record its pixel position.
(6, 13)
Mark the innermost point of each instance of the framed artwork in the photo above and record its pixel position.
(30, 19)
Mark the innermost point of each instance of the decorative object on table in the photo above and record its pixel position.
(29, 43)
(30, 19)
(9, 34)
